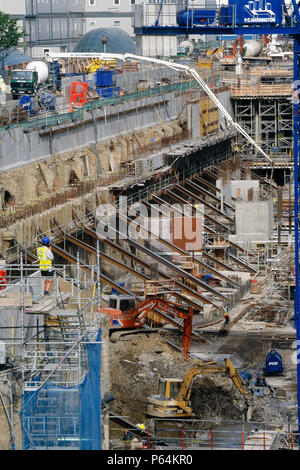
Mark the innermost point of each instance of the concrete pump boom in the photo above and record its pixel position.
(50, 56)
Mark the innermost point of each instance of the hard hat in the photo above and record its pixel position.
(141, 426)
(46, 240)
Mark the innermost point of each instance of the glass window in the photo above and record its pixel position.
(127, 304)
(162, 388)
(113, 303)
(22, 75)
(174, 389)
(92, 3)
(116, 2)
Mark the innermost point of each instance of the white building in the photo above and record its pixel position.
(57, 25)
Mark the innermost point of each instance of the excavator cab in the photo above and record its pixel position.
(122, 302)
(165, 404)
(169, 388)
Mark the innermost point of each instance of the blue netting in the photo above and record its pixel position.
(65, 417)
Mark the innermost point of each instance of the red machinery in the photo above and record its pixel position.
(238, 42)
(135, 317)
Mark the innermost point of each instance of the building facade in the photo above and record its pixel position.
(57, 25)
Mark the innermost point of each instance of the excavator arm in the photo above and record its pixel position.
(237, 380)
(212, 368)
(205, 368)
(175, 310)
(165, 406)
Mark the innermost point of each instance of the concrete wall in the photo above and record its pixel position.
(254, 220)
(240, 189)
(18, 148)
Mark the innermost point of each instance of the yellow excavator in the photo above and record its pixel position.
(173, 399)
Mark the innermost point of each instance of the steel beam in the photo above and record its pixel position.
(196, 187)
(124, 252)
(195, 259)
(208, 217)
(202, 201)
(206, 229)
(168, 264)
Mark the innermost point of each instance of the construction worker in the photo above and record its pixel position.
(226, 314)
(128, 436)
(46, 257)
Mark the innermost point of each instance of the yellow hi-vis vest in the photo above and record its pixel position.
(45, 262)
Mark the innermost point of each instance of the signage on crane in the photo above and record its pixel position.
(260, 11)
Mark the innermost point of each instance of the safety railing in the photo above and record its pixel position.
(188, 438)
(61, 116)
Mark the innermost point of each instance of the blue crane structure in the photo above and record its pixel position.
(257, 17)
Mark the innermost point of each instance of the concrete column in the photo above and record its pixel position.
(196, 121)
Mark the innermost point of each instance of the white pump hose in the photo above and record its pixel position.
(178, 67)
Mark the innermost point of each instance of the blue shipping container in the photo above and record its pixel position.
(106, 78)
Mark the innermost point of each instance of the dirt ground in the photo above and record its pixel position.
(137, 363)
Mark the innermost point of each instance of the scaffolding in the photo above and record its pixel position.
(56, 339)
(267, 120)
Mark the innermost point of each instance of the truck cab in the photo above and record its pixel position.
(23, 82)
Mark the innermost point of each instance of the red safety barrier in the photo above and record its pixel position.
(148, 442)
(243, 441)
(292, 445)
(211, 441)
(78, 94)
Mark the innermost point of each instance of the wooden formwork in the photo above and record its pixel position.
(262, 90)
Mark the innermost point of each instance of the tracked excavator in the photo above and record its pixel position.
(135, 317)
(173, 399)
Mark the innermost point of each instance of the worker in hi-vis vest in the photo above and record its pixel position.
(46, 257)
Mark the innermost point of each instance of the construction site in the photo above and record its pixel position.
(165, 184)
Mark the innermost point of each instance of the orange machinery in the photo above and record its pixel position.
(238, 42)
(135, 317)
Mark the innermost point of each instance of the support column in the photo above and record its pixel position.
(296, 97)
(105, 379)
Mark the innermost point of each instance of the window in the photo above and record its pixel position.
(92, 3)
(116, 2)
(132, 2)
(117, 23)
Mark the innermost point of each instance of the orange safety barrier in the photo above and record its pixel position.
(78, 95)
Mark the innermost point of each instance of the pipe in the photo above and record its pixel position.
(50, 56)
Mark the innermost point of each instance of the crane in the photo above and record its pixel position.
(135, 317)
(173, 399)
